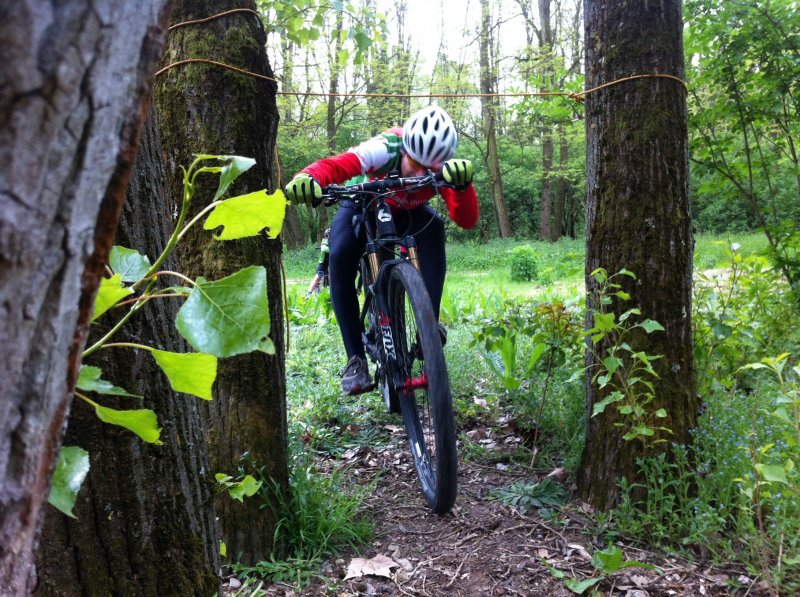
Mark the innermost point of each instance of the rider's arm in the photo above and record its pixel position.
(334, 170)
(374, 157)
(461, 205)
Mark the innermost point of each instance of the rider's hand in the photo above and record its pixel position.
(457, 172)
(304, 189)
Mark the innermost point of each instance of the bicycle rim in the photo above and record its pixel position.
(425, 398)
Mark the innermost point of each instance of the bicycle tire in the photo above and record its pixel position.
(426, 405)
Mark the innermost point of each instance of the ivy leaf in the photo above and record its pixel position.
(71, 469)
(247, 215)
(229, 316)
(142, 422)
(129, 264)
(110, 293)
(232, 170)
(193, 372)
(651, 326)
(89, 380)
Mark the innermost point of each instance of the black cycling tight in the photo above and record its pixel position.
(423, 223)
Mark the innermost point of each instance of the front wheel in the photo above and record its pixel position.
(424, 390)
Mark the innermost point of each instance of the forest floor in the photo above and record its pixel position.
(486, 548)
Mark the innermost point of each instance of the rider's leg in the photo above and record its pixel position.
(428, 230)
(345, 250)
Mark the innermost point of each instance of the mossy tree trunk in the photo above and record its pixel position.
(638, 218)
(75, 78)
(202, 108)
(145, 515)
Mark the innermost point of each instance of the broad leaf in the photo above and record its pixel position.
(71, 469)
(129, 264)
(579, 586)
(190, 372)
(612, 363)
(229, 316)
(244, 488)
(232, 170)
(604, 322)
(247, 215)
(89, 381)
(142, 422)
(651, 326)
(774, 473)
(110, 293)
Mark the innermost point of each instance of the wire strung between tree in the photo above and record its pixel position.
(573, 95)
(577, 96)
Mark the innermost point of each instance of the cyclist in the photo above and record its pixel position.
(322, 266)
(427, 141)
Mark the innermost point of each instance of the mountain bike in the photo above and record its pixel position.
(401, 334)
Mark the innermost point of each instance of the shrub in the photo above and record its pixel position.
(522, 262)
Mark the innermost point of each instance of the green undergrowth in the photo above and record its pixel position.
(515, 355)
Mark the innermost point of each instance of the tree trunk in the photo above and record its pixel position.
(562, 184)
(75, 78)
(546, 196)
(487, 111)
(145, 521)
(638, 217)
(548, 227)
(208, 109)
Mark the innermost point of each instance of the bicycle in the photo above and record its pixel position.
(402, 335)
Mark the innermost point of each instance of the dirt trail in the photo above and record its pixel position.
(486, 549)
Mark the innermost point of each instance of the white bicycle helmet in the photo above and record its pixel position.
(429, 136)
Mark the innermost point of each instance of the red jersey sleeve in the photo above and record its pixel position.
(335, 170)
(461, 205)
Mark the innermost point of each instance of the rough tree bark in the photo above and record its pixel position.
(638, 217)
(145, 522)
(75, 77)
(208, 109)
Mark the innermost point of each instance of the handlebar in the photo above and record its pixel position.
(335, 192)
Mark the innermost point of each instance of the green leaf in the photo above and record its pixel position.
(604, 322)
(229, 316)
(774, 473)
(612, 363)
(651, 326)
(608, 560)
(344, 56)
(110, 293)
(190, 372)
(247, 215)
(89, 381)
(661, 413)
(244, 488)
(129, 264)
(579, 587)
(232, 170)
(142, 422)
(363, 41)
(71, 469)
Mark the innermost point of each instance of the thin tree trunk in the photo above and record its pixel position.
(492, 161)
(546, 196)
(562, 184)
(207, 109)
(638, 218)
(144, 513)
